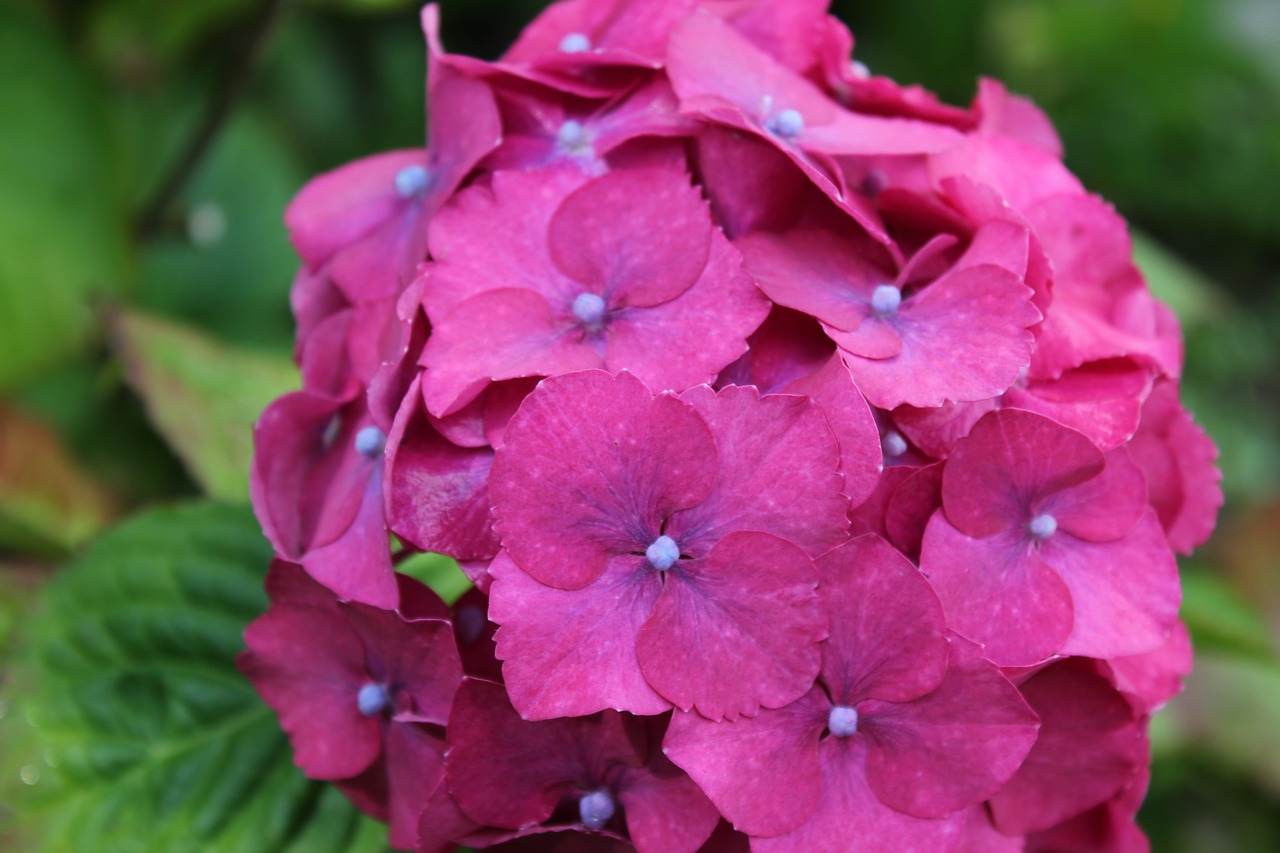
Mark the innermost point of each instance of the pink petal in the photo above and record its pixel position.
(848, 810)
(750, 611)
(997, 591)
(1104, 507)
(888, 637)
(761, 772)
(952, 748)
(357, 565)
(1011, 462)
(664, 808)
(591, 467)
(1090, 745)
(1155, 677)
(778, 472)
(573, 652)
(1126, 591)
(637, 237)
(501, 334)
(964, 337)
(415, 766)
(437, 496)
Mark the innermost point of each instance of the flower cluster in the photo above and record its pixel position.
(814, 448)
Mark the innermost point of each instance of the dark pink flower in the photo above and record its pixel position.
(1046, 545)
(904, 728)
(352, 685)
(695, 510)
(544, 274)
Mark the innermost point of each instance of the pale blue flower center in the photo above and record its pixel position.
(573, 138)
(575, 43)
(411, 180)
(596, 808)
(663, 553)
(842, 721)
(589, 309)
(370, 442)
(893, 444)
(1043, 526)
(372, 699)
(885, 299)
(788, 124)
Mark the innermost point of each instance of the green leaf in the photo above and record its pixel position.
(1220, 620)
(439, 572)
(201, 395)
(1192, 296)
(62, 235)
(139, 735)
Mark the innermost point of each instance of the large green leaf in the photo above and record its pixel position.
(201, 395)
(138, 734)
(62, 235)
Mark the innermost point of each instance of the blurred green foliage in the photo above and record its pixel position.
(132, 274)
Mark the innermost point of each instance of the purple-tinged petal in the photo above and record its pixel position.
(309, 665)
(964, 337)
(735, 630)
(636, 237)
(1126, 591)
(415, 767)
(666, 811)
(913, 503)
(761, 772)
(687, 341)
(849, 811)
(573, 652)
(778, 472)
(829, 276)
(417, 661)
(888, 638)
(1178, 460)
(787, 347)
(1011, 461)
(474, 634)
(1104, 507)
(1091, 743)
(849, 417)
(357, 565)
(952, 748)
(998, 591)
(505, 771)
(437, 496)
(591, 467)
(500, 334)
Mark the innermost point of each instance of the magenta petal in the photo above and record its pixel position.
(415, 766)
(1011, 461)
(1090, 745)
(638, 237)
(419, 658)
(1126, 591)
(1102, 508)
(750, 611)
(500, 334)
(506, 772)
(573, 652)
(998, 591)
(761, 772)
(888, 639)
(357, 565)
(666, 811)
(964, 337)
(778, 472)
(590, 468)
(687, 341)
(952, 748)
(849, 417)
(848, 810)
(438, 497)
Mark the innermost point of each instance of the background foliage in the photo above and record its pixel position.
(147, 149)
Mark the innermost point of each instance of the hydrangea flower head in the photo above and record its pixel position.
(813, 447)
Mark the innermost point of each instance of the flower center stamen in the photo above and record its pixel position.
(893, 444)
(596, 808)
(842, 721)
(411, 180)
(372, 699)
(589, 309)
(1043, 526)
(663, 553)
(885, 299)
(370, 442)
(575, 43)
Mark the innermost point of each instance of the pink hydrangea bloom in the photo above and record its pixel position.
(814, 448)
